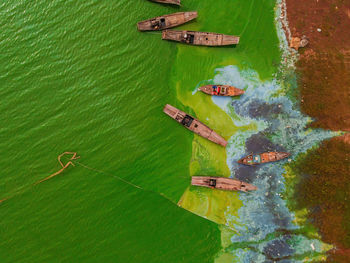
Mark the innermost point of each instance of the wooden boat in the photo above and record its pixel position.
(266, 157)
(171, 2)
(166, 21)
(222, 183)
(194, 125)
(200, 38)
(221, 90)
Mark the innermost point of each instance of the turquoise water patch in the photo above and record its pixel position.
(281, 127)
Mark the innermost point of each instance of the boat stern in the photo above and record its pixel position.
(248, 160)
(164, 34)
(239, 92)
(191, 15)
(245, 187)
(282, 155)
(143, 26)
(230, 40)
(206, 89)
(170, 110)
(214, 137)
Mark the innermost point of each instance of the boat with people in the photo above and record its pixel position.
(194, 125)
(166, 21)
(172, 2)
(222, 183)
(200, 38)
(266, 157)
(221, 90)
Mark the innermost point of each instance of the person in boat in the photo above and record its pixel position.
(155, 24)
(188, 38)
(216, 90)
(185, 37)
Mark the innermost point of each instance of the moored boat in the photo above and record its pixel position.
(200, 38)
(194, 125)
(172, 2)
(222, 183)
(166, 21)
(253, 159)
(221, 90)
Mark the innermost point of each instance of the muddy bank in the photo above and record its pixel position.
(323, 189)
(324, 65)
(324, 89)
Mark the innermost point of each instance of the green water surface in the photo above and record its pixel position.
(78, 76)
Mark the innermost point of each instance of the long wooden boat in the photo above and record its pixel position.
(172, 2)
(200, 38)
(166, 21)
(221, 90)
(222, 183)
(253, 159)
(194, 125)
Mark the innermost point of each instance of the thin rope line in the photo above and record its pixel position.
(112, 175)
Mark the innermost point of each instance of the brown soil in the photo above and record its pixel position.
(324, 65)
(324, 83)
(324, 190)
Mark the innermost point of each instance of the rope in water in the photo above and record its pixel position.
(74, 157)
(115, 176)
(70, 162)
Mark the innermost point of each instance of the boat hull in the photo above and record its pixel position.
(171, 2)
(166, 21)
(194, 125)
(200, 38)
(266, 157)
(221, 90)
(222, 183)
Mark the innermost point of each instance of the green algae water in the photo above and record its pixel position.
(78, 76)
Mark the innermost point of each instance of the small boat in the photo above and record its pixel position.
(222, 183)
(171, 2)
(221, 90)
(194, 125)
(266, 157)
(166, 21)
(200, 38)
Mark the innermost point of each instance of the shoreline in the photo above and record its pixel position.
(323, 85)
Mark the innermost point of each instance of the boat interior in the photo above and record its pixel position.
(212, 182)
(188, 38)
(187, 120)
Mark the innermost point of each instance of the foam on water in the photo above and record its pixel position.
(279, 126)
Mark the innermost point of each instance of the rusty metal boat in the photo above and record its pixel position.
(253, 159)
(200, 38)
(194, 125)
(221, 90)
(172, 2)
(166, 21)
(222, 183)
